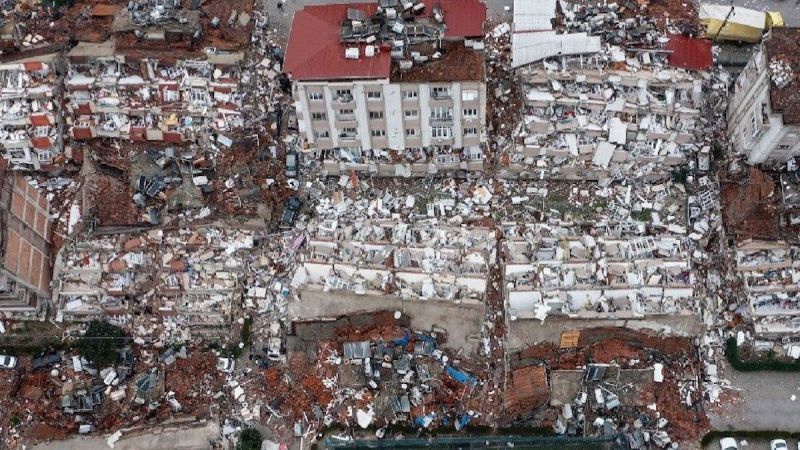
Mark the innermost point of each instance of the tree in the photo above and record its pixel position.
(250, 439)
(101, 342)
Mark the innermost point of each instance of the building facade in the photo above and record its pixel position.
(25, 243)
(764, 110)
(397, 103)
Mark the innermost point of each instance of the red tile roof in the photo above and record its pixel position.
(463, 18)
(314, 50)
(315, 53)
(40, 120)
(689, 53)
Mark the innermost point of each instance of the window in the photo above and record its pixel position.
(470, 113)
(469, 95)
(16, 154)
(411, 113)
(754, 124)
(41, 131)
(784, 147)
(199, 97)
(411, 132)
(470, 131)
(408, 95)
(343, 92)
(315, 96)
(377, 133)
(441, 132)
(441, 112)
(348, 132)
(322, 134)
(345, 112)
(317, 116)
(374, 95)
(376, 114)
(440, 92)
(45, 155)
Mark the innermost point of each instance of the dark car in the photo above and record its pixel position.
(290, 211)
(45, 360)
(291, 164)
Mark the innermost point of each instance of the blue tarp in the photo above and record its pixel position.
(403, 341)
(463, 421)
(460, 376)
(425, 421)
(425, 337)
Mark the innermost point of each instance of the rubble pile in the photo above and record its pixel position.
(781, 73)
(184, 279)
(389, 377)
(30, 135)
(621, 381)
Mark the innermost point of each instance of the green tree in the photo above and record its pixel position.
(101, 342)
(250, 439)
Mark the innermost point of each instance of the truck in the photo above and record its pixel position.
(734, 23)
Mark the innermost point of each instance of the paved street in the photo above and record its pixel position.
(191, 439)
(765, 404)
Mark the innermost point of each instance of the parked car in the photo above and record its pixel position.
(291, 164)
(290, 211)
(225, 364)
(45, 360)
(728, 443)
(8, 362)
(778, 444)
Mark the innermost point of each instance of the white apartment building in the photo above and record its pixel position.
(408, 108)
(764, 110)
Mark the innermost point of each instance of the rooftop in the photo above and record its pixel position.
(784, 45)
(321, 35)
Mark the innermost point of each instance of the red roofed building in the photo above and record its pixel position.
(399, 76)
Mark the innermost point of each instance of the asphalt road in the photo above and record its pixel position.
(752, 444)
(765, 402)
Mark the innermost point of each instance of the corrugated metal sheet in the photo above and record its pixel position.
(527, 48)
(690, 53)
(534, 15)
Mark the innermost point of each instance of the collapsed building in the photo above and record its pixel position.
(610, 105)
(31, 131)
(556, 270)
(764, 111)
(769, 271)
(159, 99)
(613, 99)
(390, 88)
(25, 248)
(191, 280)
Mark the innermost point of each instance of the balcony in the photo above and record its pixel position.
(440, 95)
(441, 119)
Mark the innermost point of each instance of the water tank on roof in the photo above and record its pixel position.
(369, 51)
(351, 53)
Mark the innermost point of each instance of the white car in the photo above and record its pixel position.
(778, 444)
(225, 364)
(728, 443)
(8, 362)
